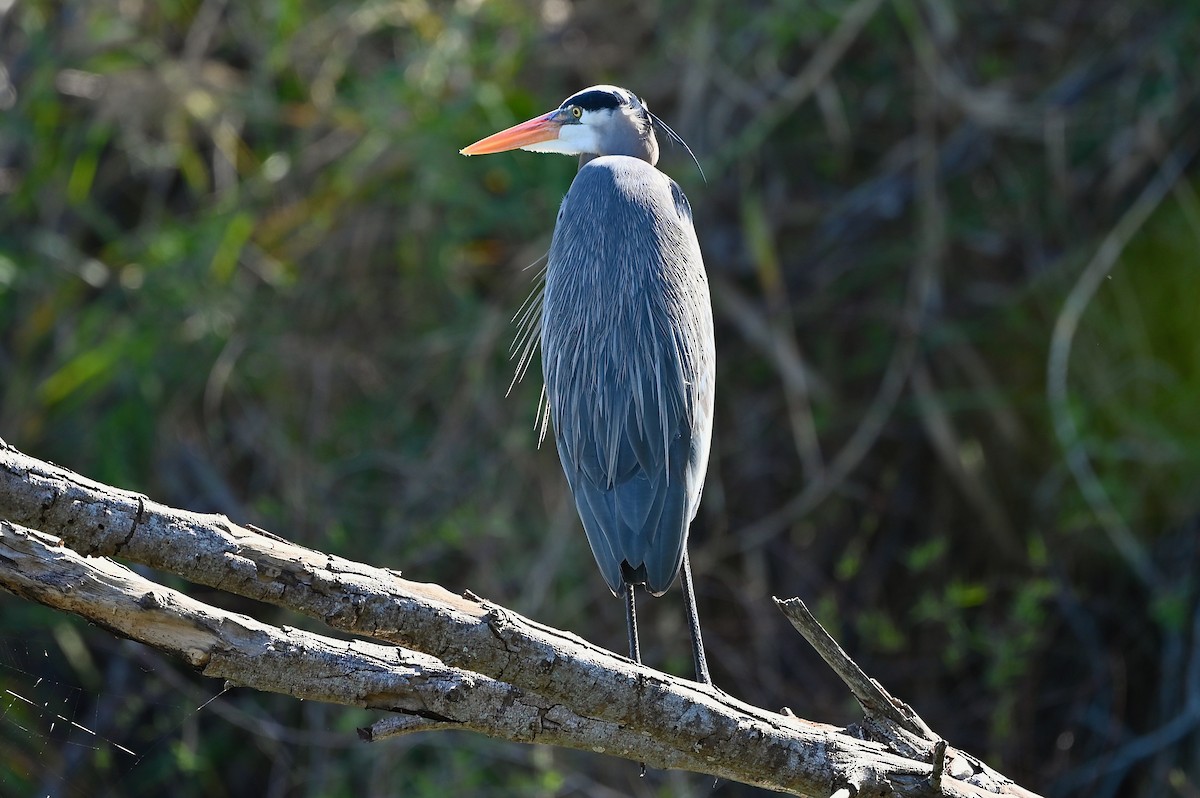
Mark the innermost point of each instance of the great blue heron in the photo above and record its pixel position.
(627, 344)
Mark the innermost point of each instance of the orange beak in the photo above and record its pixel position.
(538, 129)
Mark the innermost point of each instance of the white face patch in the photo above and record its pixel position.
(576, 139)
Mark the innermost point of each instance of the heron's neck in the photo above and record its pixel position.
(649, 157)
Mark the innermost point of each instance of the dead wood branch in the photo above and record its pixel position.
(465, 662)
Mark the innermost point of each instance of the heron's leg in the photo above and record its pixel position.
(689, 603)
(635, 649)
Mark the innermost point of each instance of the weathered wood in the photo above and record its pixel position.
(427, 694)
(682, 724)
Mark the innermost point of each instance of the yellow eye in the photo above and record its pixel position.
(576, 111)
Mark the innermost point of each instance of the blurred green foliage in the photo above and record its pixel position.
(243, 269)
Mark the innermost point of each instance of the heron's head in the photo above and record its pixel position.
(600, 120)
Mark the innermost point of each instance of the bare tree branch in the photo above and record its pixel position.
(483, 667)
(428, 694)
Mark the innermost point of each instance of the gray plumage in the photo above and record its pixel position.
(628, 360)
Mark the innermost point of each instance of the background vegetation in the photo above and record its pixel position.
(953, 255)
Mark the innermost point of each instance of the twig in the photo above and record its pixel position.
(891, 721)
(946, 443)
(870, 694)
(1058, 362)
(397, 726)
(751, 322)
(848, 457)
(921, 289)
(939, 764)
(783, 346)
(802, 86)
(1145, 745)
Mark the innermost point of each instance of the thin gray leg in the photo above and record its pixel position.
(635, 649)
(689, 602)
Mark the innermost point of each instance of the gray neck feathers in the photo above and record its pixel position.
(627, 134)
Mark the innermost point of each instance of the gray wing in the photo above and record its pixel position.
(627, 354)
